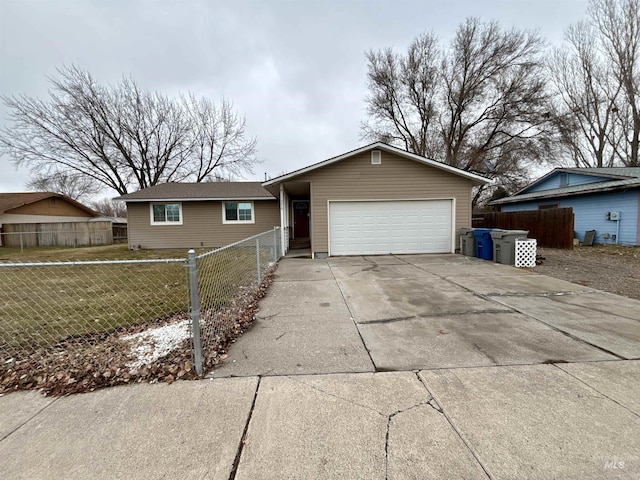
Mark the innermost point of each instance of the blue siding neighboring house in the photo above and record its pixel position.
(592, 193)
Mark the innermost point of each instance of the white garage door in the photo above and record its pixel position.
(383, 227)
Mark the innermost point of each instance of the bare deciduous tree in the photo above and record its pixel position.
(586, 103)
(124, 137)
(109, 208)
(495, 97)
(597, 80)
(403, 95)
(618, 24)
(480, 105)
(72, 185)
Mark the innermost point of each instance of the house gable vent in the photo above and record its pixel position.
(376, 157)
(564, 179)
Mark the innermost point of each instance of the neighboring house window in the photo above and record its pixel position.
(548, 206)
(166, 214)
(237, 212)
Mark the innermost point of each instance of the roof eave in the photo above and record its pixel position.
(191, 199)
(538, 180)
(572, 170)
(580, 171)
(477, 179)
(514, 199)
(67, 199)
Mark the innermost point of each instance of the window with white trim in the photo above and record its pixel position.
(237, 212)
(166, 214)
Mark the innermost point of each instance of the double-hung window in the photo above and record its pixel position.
(166, 214)
(237, 212)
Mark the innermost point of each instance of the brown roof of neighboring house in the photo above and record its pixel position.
(9, 201)
(200, 191)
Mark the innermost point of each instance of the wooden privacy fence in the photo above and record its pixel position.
(119, 232)
(553, 228)
(62, 234)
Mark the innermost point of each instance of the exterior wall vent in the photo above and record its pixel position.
(376, 157)
(564, 179)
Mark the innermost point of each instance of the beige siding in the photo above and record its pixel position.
(201, 225)
(395, 179)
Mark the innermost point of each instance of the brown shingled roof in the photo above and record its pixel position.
(200, 191)
(9, 201)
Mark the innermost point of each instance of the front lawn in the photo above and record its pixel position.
(119, 251)
(41, 305)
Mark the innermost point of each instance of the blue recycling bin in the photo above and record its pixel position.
(484, 243)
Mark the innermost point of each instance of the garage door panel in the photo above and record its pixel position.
(382, 227)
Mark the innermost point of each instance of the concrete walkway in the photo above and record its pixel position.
(399, 367)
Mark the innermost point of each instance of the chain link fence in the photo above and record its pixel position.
(219, 303)
(82, 321)
(46, 303)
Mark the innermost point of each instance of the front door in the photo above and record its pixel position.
(300, 219)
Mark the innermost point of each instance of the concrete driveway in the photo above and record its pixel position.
(399, 367)
(413, 312)
(490, 372)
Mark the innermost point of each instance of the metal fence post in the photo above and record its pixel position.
(258, 260)
(195, 311)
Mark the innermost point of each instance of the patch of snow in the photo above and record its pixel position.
(155, 343)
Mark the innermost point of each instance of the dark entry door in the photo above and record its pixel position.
(301, 219)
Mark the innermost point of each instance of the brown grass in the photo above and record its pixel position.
(68, 254)
(42, 305)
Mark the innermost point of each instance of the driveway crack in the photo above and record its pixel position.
(353, 319)
(485, 353)
(437, 406)
(595, 389)
(401, 260)
(338, 397)
(506, 310)
(386, 439)
(567, 334)
(30, 418)
(596, 308)
(390, 417)
(371, 268)
(386, 449)
(539, 294)
(245, 432)
(386, 320)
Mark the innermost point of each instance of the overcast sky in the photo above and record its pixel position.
(296, 69)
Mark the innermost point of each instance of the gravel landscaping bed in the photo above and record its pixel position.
(612, 268)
